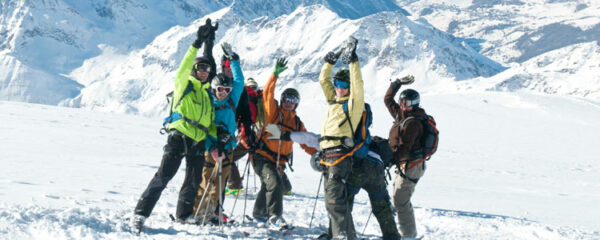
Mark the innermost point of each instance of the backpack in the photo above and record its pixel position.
(429, 140)
(381, 146)
(359, 135)
(174, 116)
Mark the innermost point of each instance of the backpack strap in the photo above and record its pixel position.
(230, 104)
(174, 117)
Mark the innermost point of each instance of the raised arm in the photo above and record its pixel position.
(389, 101)
(356, 103)
(325, 81)
(238, 81)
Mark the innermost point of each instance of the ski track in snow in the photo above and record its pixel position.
(87, 169)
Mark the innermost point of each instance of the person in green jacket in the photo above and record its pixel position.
(191, 117)
(345, 96)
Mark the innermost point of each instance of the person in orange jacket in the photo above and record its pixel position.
(273, 152)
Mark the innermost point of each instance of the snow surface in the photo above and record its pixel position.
(509, 166)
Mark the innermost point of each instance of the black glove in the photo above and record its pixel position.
(396, 84)
(223, 135)
(205, 33)
(285, 136)
(331, 58)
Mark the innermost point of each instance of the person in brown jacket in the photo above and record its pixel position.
(272, 154)
(404, 139)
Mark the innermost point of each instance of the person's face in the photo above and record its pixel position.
(289, 106)
(403, 106)
(202, 76)
(342, 88)
(289, 102)
(340, 92)
(227, 72)
(223, 92)
(202, 71)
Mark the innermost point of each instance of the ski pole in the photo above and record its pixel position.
(219, 192)
(369, 218)
(247, 185)
(237, 196)
(208, 200)
(316, 198)
(208, 185)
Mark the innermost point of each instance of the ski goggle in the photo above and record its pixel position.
(202, 67)
(224, 89)
(408, 103)
(290, 99)
(341, 84)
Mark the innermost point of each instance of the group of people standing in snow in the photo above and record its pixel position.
(207, 109)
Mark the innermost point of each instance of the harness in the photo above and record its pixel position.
(342, 139)
(262, 146)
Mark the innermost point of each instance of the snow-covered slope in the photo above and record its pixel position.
(514, 30)
(389, 45)
(571, 70)
(499, 173)
(550, 46)
(44, 40)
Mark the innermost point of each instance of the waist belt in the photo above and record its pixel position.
(346, 141)
(263, 146)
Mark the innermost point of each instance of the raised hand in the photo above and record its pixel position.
(228, 52)
(280, 66)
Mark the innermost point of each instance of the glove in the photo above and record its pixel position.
(274, 130)
(350, 51)
(228, 52)
(280, 66)
(276, 133)
(331, 58)
(223, 135)
(408, 79)
(396, 84)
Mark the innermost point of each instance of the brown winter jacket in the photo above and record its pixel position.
(402, 141)
(291, 123)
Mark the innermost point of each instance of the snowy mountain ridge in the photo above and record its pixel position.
(550, 46)
(390, 45)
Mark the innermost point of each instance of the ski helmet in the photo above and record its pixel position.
(221, 81)
(251, 83)
(291, 93)
(204, 62)
(315, 162)
(342, 75)
(411, 96)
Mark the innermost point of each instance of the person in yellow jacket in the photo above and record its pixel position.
(191, 118)
(345, 96)
(273, 152)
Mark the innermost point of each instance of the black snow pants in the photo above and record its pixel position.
(177, 147)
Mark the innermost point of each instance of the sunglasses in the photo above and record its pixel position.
(341, 84)
(224, 89)
(202, 67)
(290, 99)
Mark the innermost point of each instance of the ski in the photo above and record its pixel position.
(348, 49)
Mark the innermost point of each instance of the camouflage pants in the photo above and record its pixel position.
(269, 200)
(336, 198)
